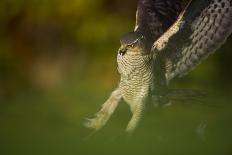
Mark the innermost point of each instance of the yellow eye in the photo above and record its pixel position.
(131, 45)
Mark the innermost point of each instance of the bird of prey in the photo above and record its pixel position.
(167, 42)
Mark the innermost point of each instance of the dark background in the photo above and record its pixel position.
(58, 65)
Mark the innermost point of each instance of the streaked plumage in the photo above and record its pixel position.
(200, 34)
(162, 47)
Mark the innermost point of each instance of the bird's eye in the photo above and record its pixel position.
(131, 45)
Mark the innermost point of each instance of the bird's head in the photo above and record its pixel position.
(133, 43)
(133, 54)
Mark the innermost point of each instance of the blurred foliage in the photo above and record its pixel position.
(58, 65)
(41, 39)
(43, 42)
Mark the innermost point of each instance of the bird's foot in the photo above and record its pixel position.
(98, 121)
(105, 113)
(136, 116)
(136, 110)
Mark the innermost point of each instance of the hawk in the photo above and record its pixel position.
(166, 43)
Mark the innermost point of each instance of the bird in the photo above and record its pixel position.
(167, 42)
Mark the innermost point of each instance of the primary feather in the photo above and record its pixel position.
(200, 30)
(154, 17)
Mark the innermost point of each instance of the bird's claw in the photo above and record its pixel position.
(97, 122)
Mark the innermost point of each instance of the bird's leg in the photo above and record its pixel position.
(106, 111)
(136, 110)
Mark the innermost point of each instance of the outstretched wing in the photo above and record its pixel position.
(154, 17)
(200, 30)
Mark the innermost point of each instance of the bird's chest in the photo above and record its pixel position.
(136, 78)
(134, 88)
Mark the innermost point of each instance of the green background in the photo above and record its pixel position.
(58, 65)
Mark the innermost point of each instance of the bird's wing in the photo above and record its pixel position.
(154, 17)
(199, 30)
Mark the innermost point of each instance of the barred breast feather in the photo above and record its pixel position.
(136, 76)
(200, 30)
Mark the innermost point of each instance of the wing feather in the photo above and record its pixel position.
(200, 30)
(154, 17)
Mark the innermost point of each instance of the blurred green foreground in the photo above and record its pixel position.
(58, 65)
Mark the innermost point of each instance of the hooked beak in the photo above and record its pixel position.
(122, 51)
